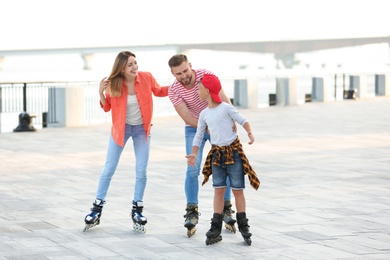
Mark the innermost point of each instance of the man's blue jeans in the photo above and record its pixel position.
(141, 151)
(191, 185)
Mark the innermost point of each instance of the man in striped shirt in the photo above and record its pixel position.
(183, 94)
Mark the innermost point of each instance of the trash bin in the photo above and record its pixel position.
(350, 94)
(307, 98)
(272, 99)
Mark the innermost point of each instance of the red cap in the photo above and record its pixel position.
(212, 83)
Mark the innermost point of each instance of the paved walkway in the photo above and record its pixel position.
(325, 192)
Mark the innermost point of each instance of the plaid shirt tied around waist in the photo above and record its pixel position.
(235, 146)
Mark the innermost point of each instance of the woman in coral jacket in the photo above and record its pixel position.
(127, 93)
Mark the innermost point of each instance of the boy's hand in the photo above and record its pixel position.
(191, 159)
(251, 138)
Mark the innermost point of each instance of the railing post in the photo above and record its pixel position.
(1, 99)
(25, 97)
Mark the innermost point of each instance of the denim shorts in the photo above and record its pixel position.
(234, 172)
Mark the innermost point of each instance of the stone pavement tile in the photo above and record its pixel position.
(362, 239)
(319, 251)
(27, 257)
(309, 235)
(345, 244)
(89, 249)
(8, 244)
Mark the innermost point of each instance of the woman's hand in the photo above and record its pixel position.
(104, 84)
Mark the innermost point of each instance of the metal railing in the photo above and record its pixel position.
(41, 98)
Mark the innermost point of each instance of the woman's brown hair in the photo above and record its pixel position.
(116, 73)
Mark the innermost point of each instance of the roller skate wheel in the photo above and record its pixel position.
(213, 240)
(230, 228)
(87, 226)
(139, 228)
(191, 231)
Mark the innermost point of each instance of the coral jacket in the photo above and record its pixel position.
(145, 84)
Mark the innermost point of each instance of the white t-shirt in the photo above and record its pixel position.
(219, 120)
(133, 114)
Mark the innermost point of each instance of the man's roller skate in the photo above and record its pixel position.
(139, 220)
(214, 234)
(243, 227)
(191, 219)
(93, 218)
(228, 217)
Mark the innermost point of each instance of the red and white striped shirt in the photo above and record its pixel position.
(178, 94)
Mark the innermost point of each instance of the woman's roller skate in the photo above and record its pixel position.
(228, 217)
(243, 227)
(191, 219)
(214, 234)
(93, 218)
(139, 220)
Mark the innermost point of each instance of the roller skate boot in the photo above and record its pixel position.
(191, 219)
(243, 227)
(139, 220)
(228, 217)
(214, 234)
(93, 218)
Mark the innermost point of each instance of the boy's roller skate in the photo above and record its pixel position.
(139, 220)
(191, 219)
(243, 227)
(214, 234)
(228, 217)
(93, 218)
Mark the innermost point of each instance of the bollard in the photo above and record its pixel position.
(24, 123)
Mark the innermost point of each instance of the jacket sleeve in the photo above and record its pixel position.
(107, 106)
(157, 90)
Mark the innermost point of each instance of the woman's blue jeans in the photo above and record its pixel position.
(114, 151)
(191, 184)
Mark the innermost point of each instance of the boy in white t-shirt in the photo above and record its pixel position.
(226, 158)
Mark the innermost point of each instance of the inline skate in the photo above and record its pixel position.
(228, 217)
(191, 219)
(93, 218)
(139, 220)
(243, 227)
(214, 234)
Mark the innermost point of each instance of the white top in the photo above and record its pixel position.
(219, 120)
(133, 114)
